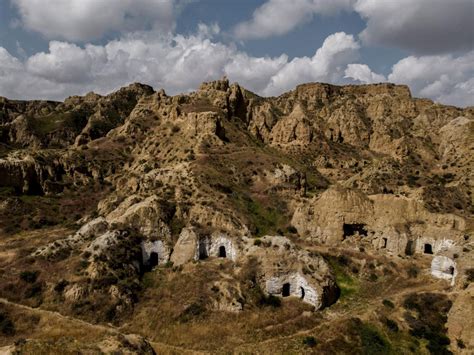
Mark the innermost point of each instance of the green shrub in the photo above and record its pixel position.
(257, 242)
(461, 344)
(60, 286)
(310, 341)
(194, 310)
(388, 303)
(270, 300)
(29, 276)
(6, 325)
(413, 272)
(372, 340)
(34, 290)
(391, 324)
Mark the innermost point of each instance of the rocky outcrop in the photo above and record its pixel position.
(395, 223)
(87, 232)
(443, 267)
(285, 270)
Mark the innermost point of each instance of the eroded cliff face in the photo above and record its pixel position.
(156, 180)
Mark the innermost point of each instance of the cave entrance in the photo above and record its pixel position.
(350, 229)
(302, 292)
(222, 252)
(428, 249)
(384, 243)
(285, 291)
(202, 250)
(409, 248)
(451, 270)
(153, 261)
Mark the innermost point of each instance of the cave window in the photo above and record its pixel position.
(222, 252)
(428, 249)
(384, 244)
(354, 228)
(451, 270)
(285, 292)
(302, 292)
(202, 250)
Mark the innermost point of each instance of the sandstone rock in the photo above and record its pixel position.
(398, 224)
(443, 267)
(288, 271)
(185, 248)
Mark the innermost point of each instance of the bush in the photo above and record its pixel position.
(372, 340)
(257, 242)
(413, 272)
(310, 341)
(194, 310)
(6, 325)
(470, 275)
(373, 277)
(60, 286)
(388, 303)
(34, 290)
(429, 322)
(29, 276)
(270, 300)
(391, 325)
(461, 344)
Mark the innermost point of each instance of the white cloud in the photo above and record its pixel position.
(363, 74)
(444, 78)
(80, 20)
(421, 26)
(180, 63)
(327, 64)
(175, 62)
(277, 17)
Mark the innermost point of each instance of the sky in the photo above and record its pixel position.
(52, 49)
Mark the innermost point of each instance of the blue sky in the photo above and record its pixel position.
(54, 48)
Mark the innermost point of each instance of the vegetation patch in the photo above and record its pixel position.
(427, 316)
(347, 284)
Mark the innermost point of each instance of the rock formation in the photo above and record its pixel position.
(142, 181)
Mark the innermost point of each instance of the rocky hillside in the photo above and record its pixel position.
(220, 208)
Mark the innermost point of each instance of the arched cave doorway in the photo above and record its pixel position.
(222, 252)
(409, 248)
(153, 261)
(302, 292)
(428, 249)
(451, 270)
(285, 291)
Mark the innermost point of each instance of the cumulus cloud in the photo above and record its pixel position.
(180, 63)
(277, 17)
(421, 26)
(327, 64)
(80, 20)
(176, 62)
(363, 74)
(444, 78)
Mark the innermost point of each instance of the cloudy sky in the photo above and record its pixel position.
(51, 49)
